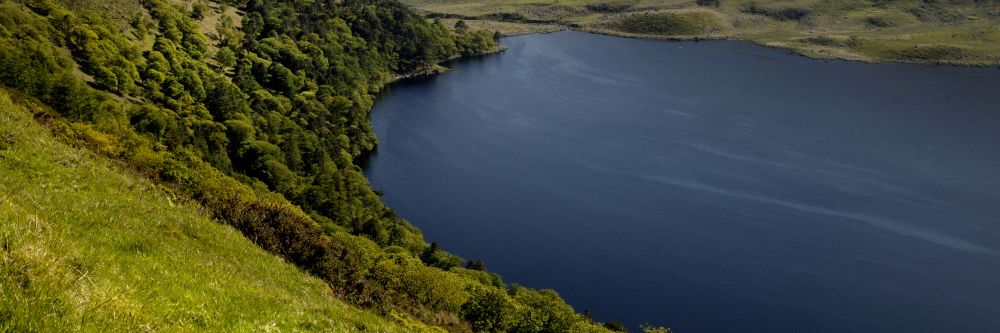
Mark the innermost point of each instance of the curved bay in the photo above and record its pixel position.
(710, 186)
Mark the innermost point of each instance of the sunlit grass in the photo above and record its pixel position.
(86, 246)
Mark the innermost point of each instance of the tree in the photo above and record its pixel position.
(476, 265)
(228, 34)
(615, 326)
(198, 10)
(647, 328)
(226, 57)
(282, 79)
(429, 256)
(489, 309)
(544, 311)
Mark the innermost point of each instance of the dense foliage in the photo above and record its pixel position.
(62, 261)
(259, 115)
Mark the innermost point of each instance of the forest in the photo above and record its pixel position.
(257, 111)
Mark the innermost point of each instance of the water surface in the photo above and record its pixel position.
(712, 186)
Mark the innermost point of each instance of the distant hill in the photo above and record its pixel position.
(932, 31)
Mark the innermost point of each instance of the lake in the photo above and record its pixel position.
(709, 186)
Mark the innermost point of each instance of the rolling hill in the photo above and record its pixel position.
(932, 31)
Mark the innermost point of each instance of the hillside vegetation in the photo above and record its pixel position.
(929, 31)
(86, 246)
(244, 113)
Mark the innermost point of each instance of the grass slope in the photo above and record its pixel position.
(85, 246)
(930, 31)
(279, 126)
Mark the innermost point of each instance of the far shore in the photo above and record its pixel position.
(533, 28)
(890, 34)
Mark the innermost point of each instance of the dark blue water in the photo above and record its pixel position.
(711, 187)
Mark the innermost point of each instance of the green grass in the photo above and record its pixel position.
(943, 31)
(86, 246)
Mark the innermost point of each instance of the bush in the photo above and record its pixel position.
(933, 53)
(489, 309)
(668, 24)
(879, 22)
(615, 326)
(608, 7)
(544, 311)
(226, 57)
(852, 41)
(708, 3)
(286, 231)
(778, 12)
(199, 10)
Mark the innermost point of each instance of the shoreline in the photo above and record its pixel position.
(871, 53)
(438, 68)
(789, 49)
(441, 68)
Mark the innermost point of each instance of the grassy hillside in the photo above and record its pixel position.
(931, 31)
(88, 247)
(251, 113)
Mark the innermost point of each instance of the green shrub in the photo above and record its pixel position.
(879, 22)
(490, 309)
(708, 3)
(779, 12)
(932, 53)
(605, 7)
(226, 57)
(668, 24)
(852, 41)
